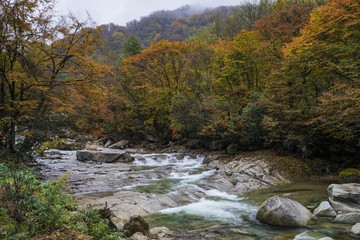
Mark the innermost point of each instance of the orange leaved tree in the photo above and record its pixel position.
(40, 57)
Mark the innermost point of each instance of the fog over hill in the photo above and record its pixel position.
(122, 11)
(173, 25)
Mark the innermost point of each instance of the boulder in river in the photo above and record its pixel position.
(348, 218)
(136, 224)
(105, 157)
(241, 175)
(348, 193)
(120, 145)
(283, 212)
(342, 207)
(356, 229)
(325, 210)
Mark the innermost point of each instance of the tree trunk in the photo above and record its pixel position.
(10, 137)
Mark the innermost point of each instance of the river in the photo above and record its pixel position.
(173, 190)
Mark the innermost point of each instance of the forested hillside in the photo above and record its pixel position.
(281, 74)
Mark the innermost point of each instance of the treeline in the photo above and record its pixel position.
(282, 74)
(182, 24)
(289, 81)
(175, 25)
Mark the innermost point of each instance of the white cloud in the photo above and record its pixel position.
(123, 11)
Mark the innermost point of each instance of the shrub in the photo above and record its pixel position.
(29, 207)
(350, 175)
(90, 222)
(40, 206)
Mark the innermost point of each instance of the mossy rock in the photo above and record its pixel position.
(350, 175)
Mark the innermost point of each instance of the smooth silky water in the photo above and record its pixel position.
(227, 216)
(229, 211)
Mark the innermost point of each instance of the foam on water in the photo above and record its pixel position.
(223, 210)
(223, 195)
(168, 159)
(190, 178)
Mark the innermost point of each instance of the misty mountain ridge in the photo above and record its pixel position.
(172, 25)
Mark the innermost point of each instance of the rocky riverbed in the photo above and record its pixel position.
(194, 195)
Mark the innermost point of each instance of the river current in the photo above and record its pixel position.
(199, 212)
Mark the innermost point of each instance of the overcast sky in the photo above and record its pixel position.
(123, 11)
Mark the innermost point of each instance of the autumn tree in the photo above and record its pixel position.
(315, 95)
(40, 58)
(279, 28)
(237, 70)
(150, 79)
(191, 108)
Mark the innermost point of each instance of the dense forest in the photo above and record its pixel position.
(276, 74)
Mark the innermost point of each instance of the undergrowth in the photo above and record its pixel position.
(29, 207)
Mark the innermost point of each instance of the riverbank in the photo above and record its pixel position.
(175, 187)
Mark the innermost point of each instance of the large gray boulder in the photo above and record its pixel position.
(120, 145)
(356, 229)
(105, 157)
(283, 212)
(348, 193)
(342, 207)
(240, 175)
(348, 218)
(324, 210)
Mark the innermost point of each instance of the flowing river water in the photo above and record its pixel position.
(186, 204)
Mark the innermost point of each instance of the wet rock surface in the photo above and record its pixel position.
(119, 145)
(348, 193)
(343, 205)
(105, 157)
(174, 184)
(242, 175)
(283, 212)
(348, 218)
(356, 229)
(325, 210)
